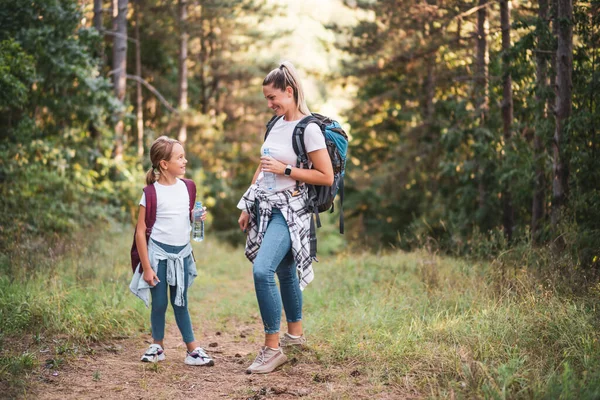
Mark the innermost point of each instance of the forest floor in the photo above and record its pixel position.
(227, 325)
(114, 371)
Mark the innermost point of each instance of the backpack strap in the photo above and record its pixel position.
(191, 188)
(298, 140)
(271, 124)
(341, 193)
(150, 194)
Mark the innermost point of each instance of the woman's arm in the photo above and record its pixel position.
(256, 175)
(244, 219)
(320, 174)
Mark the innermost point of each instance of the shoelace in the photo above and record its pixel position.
(260, 358)
(153, 351)
(200, 353)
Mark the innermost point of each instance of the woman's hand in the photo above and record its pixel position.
(150, 277)
(244, 221)
(203, 217)
(269, 164)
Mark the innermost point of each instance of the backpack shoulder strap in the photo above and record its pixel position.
(191, 188)
(271, 123)
(150, 193)
(298, 139)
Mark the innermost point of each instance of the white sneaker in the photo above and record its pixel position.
(198, 357)
(154, 354)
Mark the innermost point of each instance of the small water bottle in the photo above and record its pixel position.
(197, 223)
(268, 180)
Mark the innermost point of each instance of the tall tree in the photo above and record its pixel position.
(482, 97)
(564, 86)
(119, 69)
(183, 71)
(139, 99)
(507, 114)
(538, 209)
(98, 23)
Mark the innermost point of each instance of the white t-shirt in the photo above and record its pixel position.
(280, 146)
(172, 224)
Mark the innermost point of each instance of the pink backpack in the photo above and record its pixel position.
(150, 192)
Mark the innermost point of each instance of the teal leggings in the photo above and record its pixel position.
(160, 301)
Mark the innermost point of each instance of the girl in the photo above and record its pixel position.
(166, 259)
(277, 219)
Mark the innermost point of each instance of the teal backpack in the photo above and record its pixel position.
(321, 198)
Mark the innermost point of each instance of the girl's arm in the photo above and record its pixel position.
(320, 174)
(142, 247)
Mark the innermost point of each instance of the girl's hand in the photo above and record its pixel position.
(150, 277)
(244, 221)
(203, 217)
(269, 164)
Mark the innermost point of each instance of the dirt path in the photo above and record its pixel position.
(115, 372)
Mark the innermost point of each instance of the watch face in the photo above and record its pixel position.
(288, 170)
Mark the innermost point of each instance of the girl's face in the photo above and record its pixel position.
(280, 101)
(176, 164)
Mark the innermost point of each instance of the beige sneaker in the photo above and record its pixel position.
(266, 361)
(287, 341)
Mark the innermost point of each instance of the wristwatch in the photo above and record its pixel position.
(288, 170)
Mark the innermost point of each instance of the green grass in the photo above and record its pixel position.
(62, 300)
(440, 326)
(416, 322)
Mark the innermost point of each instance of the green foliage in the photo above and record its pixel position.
(56, 168)
(425, 164)
(16, 74)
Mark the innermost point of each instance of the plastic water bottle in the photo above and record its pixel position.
(197, 223)
(268, 177)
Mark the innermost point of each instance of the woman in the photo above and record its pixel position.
(276, 218)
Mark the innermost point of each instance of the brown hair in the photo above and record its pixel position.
(161, 150)
(285, 76)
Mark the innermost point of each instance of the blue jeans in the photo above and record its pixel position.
(275, 256)
(160, 301)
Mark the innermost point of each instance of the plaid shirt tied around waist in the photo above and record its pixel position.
(292, 203)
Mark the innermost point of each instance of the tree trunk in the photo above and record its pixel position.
(507, 115)
(538, 209)
(119, 69)
(138, 71)
(482, 95)
(99, 25)
(183, 81)
(564, 86)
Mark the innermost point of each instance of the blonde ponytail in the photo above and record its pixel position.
(151, 176)
(284, 76)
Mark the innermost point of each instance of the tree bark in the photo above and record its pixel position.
(507, 115)
(564, 86)
(138, 71)
(99, 25)
(183, 81)
(482, 95)
(538, 209)
(119, 69)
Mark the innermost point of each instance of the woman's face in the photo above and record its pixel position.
(280, 101)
